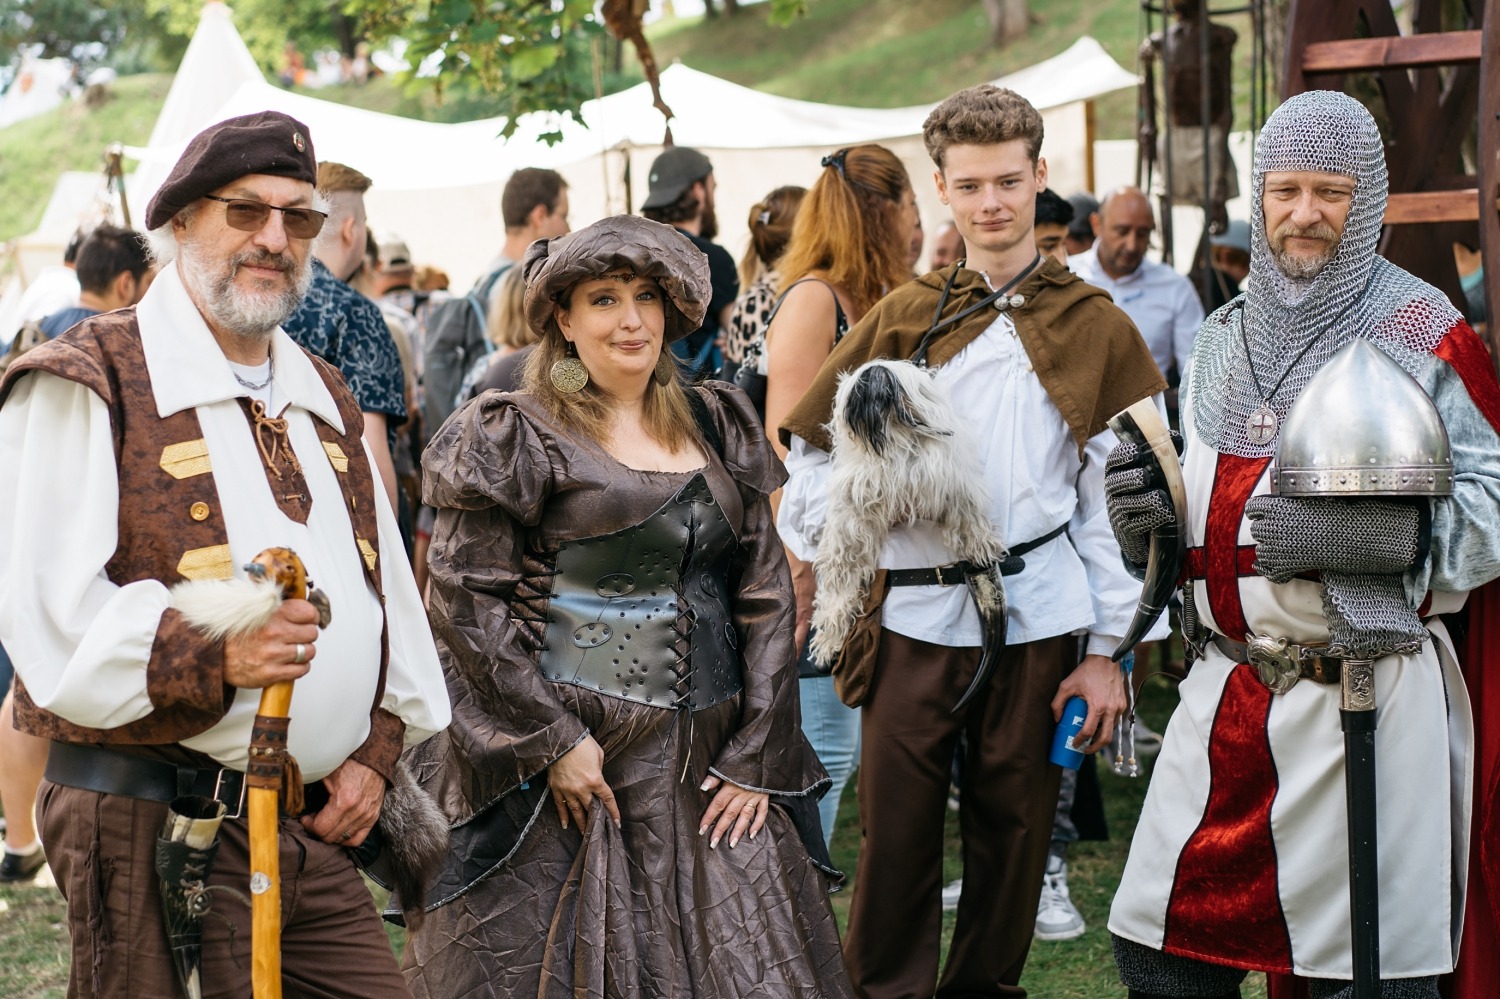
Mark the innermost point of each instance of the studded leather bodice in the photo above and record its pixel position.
(643, 613)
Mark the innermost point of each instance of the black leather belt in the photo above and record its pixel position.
(94, 768)
(1280, 664)
(955, 573)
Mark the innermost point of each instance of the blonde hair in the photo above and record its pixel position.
(849, 226)
(508, 328)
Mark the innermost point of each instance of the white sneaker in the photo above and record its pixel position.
(1056, 916)
(951, 893)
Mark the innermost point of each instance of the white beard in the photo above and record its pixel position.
(252, 314)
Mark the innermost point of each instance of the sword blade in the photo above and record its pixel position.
(1359, 787)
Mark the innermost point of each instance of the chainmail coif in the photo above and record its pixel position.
(1357, 294)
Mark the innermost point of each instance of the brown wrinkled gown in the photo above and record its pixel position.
(525, 908)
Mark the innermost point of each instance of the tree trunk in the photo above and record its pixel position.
(1008, 19)
(343, 29)
(1276, 12)
(709, 10)
(731, 7)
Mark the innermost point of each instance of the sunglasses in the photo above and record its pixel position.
(251, 216)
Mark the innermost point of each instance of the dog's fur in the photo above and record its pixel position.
(900, 455)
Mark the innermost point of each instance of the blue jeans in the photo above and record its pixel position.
(833, 729)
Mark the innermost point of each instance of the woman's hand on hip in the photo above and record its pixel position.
(733, 810)
(576, 779)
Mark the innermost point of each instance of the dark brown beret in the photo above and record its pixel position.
(646, 248)
(268, 142)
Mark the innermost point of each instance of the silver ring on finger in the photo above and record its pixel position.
(301, 656)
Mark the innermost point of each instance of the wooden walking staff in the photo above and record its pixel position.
(273, 782)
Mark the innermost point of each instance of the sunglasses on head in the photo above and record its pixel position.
(251, 216)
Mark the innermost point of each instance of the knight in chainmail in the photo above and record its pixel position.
(1240, 861)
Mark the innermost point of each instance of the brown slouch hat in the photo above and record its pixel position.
(267, 142)
(628, 242)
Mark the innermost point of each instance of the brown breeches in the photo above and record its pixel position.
(1009, 795)
(101, 848)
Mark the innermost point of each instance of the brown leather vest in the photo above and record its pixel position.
(171, 524)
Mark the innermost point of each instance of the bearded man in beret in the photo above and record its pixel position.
(183, 437)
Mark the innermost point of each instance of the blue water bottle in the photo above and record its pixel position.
(1075, 713)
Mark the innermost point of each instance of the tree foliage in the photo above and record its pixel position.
(81, 30)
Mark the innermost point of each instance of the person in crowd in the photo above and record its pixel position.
(947, 245)
(1241, 857)
(344, 327)
(1057, 359)
(114, 271)
(54, 288)
(1161, 302)
(770, 224)
(1229, 252)
(914, 247)
(391, 286)
(627, 764)
(1053, 216)
(22, 759)
(510, 334)
(681, 194)
(184, 437)
(1081, 229)
(533, 205)
(848, 249)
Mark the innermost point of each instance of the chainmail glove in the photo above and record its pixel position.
(1363, 537)
(1138, 502)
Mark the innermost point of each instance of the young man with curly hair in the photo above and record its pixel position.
(1034, 373)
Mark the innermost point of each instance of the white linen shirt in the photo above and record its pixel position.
(81, 643)
(1075, 583)
(1161, 303)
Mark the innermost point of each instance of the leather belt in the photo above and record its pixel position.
(954, 573)
(1280, 663)
(94, 768)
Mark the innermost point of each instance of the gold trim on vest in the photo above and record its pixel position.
(214, 562)
(368, 551)
(183, 461)
(336, 456)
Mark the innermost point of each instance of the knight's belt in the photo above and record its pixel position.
(1279, 663)
(95, 768)
(643, 614)
(954, 573)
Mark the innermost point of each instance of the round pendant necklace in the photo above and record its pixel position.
(1263, 423)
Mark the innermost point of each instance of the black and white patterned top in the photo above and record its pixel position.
(751, 316)
(347, 330)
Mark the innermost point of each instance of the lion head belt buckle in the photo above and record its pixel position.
(1273, 663)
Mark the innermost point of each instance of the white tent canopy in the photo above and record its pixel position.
(214, 66)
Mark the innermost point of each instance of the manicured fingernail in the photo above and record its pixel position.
(713, 844)
(705, 785)
(734, 843)
(702, 830)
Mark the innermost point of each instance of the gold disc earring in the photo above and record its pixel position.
(666, 367)
(568, 373)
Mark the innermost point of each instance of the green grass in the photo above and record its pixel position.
(33, 934)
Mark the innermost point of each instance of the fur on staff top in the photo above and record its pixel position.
(220, 608)
(900, 455)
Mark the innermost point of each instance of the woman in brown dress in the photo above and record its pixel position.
(633, 805)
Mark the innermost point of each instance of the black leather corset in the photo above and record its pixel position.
(643, 614)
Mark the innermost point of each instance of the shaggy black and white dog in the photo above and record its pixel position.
(900, 455)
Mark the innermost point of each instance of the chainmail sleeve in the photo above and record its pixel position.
(1465, 551)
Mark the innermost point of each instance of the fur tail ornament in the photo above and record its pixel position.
(220, 608)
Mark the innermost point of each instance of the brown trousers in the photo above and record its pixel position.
(1009, 795)
(101, 851)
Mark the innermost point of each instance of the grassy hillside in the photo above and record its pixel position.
(73, 137)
